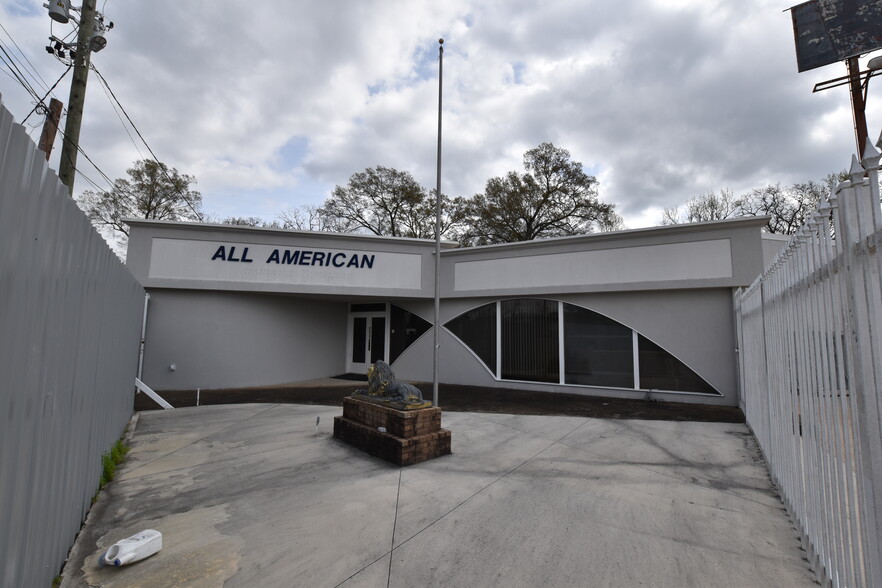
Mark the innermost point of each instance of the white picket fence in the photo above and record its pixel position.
(811, 372)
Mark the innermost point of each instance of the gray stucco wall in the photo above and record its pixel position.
(242, 324)
(696, 326)
(236, 339)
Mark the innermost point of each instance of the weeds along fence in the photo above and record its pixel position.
(811, 372)
(69, 331)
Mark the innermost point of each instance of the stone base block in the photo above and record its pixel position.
(400, 423)
(410, 436)
(397, 450)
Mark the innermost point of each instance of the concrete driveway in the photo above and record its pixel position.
(250, 495)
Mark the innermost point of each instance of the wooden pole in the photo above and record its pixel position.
(68, 166)
(50, 127)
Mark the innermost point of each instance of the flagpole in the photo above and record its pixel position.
(437, 328)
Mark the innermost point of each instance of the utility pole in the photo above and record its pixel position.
(50, 127)
(68, 165)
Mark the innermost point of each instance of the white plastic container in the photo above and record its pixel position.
(135, 548)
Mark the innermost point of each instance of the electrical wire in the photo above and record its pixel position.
(122, 122)
(41, 101)
(155, 159)
(20, 77)
(37, 75)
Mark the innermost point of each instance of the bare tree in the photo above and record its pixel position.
(704, 207)
(788, 208)
(244, 221)
(312, 218)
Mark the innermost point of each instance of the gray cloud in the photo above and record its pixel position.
(666, 99)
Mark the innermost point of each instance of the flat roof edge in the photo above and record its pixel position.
(732, 223)
(183, 225)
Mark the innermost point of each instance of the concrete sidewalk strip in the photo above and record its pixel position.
(251, 495)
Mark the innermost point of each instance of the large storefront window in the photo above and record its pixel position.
(596, 350)
(530, 347)
(599, 350)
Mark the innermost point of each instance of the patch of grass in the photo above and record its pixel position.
(109, 462)
(56, 581)
(109, 466)
(118, 452)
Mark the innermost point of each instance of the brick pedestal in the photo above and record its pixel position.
(411, 436)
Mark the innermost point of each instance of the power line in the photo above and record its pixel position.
(40, 102)
(37, 75)
(156, 159)
(20, 77)
(122, 122)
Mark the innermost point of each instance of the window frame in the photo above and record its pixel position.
(496, 372)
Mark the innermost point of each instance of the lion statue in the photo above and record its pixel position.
(382, 385)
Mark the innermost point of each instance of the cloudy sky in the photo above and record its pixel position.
(272, 103)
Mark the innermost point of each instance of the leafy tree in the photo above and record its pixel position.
(553, 197)
(382, 201)
(152, 191)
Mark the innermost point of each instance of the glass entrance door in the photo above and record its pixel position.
(367, 341)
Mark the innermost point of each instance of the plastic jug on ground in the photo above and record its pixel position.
(137, 547)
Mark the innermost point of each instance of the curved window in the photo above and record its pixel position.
(659, 370)
(530, 346)
(404, 328)
(477, 329)
(598, 350)
(551, 341)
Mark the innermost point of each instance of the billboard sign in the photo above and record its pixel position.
(827, 31)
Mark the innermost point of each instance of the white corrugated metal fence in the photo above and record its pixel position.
(69, 332)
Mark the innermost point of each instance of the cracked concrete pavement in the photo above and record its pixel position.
(252, 495)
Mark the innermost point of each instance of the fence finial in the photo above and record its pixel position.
(856, 173)
(871, 156)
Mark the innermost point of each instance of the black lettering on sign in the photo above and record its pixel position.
(298, 257)
(290, 258)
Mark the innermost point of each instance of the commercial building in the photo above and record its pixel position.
(622, 314)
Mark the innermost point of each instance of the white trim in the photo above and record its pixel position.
(498, 374)
(635, 350)
(351, 366)
(149, 392)
(561, 368)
